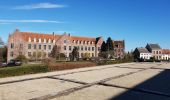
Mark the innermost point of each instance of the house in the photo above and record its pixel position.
(142, 53)
(156, 50)
(165, 54)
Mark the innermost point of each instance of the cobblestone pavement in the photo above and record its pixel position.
(130, 81)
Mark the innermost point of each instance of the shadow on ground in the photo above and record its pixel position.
(155, 88)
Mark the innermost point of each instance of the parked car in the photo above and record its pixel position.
(14, 63)
(3, 64)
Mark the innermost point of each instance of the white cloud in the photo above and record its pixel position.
(29, 21)
(39, 6)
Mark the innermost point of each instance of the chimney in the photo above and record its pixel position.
(69, 35)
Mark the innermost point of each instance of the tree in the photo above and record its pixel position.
(55, 51)
(39, 54)
(103, 46)
(22, 58)
(75, 54)
(3, 53)
(109, 44)
(1, 42)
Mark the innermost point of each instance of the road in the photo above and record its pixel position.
(129, 81)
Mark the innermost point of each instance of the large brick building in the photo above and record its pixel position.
(40, 45)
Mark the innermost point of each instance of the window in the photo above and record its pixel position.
(29, 54)
(12, 54)
(29, 46)
(45, 47)
(156, 52)
(65, 48)
(85, 48)
(21, 46)
(92, 54)
(70, 48)
(39, 46)
(89, 48)
(49, 47)
(92, 48)
(35, 46)
(82, 48)
(12, 45)
(98, 48)
(65, 41)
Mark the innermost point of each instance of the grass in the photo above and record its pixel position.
(51, 66)
(22, 70)
(70, 65)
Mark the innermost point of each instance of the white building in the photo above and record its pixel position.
(142, 53)
(165, 54)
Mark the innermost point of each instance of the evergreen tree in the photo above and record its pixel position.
(103, 46)
(75, 54)
(109, 44)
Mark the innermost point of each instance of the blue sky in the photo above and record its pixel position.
(137, 21)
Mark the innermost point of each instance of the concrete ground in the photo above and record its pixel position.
(130, 81)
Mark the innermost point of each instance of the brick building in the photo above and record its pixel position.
(33, 44)
(119, 48)
(39, 46)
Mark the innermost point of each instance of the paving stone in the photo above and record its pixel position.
(33, 88)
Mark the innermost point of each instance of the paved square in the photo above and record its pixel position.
(130, 81)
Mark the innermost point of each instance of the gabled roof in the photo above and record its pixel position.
(165, 51)
(83, 39)
(32, 35)
(154, 46)
(142, 50)
(121, 43)
(27, 35)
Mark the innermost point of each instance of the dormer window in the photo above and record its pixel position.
(34, 39)
(49, 41)
(45, 41)
(29, 40)
(53, 41)
(39, 40)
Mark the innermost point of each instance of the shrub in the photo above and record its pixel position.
(69, 65)
(21, 70)
(22, 58)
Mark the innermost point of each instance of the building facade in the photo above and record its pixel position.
(35, 45)
(119, 48)
(165, 54)
(142, 53)
(156, 50)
